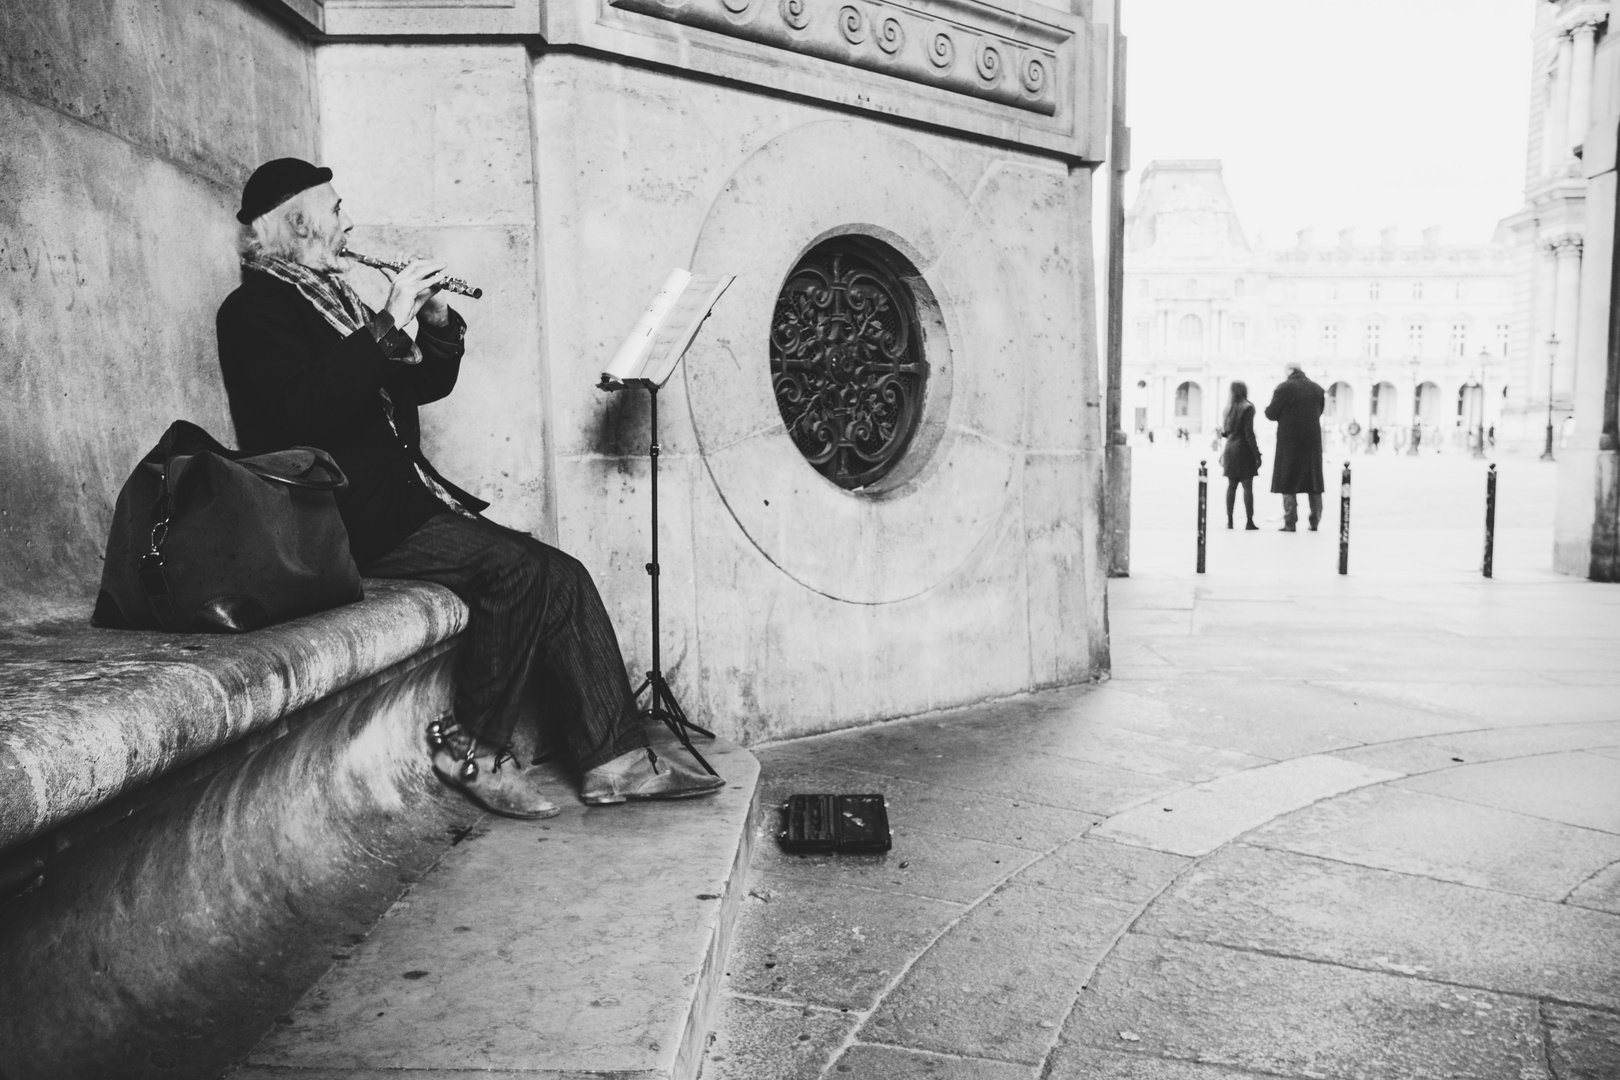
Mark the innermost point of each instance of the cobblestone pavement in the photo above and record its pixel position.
(1360, 827)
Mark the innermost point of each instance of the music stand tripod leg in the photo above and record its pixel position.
(661, 703)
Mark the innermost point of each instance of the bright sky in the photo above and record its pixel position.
(1339, 112)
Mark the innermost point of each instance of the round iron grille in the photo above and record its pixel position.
(847, 359)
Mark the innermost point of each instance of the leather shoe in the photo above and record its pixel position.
(1251, 527)
(1286, 528)
(497, 783)
(642, 774)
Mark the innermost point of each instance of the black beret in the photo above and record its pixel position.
(274, 182)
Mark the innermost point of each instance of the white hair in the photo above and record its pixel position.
(275, 232)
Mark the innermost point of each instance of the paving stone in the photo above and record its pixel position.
(1105, 870)
(865, 1062)
(1076, 1062)
(1575, 788)
(997, 818)
(1302, 906)
(1197, 820)
(829, 944)
(500, 959)
(773, 1040)
(1496, 706)
(1231, 713)
(1417, 833)
(921, 864)
(1601, 891)
(1139, 751)
(1013, 962)
(1583, 1045)
(986, 762)
(1297, 1018)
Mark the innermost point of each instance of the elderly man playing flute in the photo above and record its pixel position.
(307, 363)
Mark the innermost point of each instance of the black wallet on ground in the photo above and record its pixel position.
(847, 824)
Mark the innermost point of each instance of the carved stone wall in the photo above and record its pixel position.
(982, 52)
(1030, 74)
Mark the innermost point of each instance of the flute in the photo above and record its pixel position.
(449, 284)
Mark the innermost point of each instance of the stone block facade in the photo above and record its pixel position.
(568, 181)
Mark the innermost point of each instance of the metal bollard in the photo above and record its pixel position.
(1490, 518)
(1203, 510)
(1344, 520)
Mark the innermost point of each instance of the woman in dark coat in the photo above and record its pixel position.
(1241, 458)
(1297, 407)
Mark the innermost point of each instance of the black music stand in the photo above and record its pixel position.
(661, 703)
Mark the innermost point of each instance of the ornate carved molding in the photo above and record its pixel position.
(1565, 245)
(1583, 20)
(981, 51)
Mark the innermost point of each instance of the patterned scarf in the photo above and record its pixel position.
(338, 304)
(345, 312)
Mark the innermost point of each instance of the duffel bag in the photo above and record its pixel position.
(207, 539)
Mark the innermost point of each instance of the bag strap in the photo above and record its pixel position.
(335, 482)
(154, 580)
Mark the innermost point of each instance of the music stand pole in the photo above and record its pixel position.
(661, 703)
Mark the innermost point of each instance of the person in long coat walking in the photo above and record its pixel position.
(1297, 405)
(1241, 458)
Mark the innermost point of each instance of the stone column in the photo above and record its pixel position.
(1567, 253)
(1582, 34)
(1555, 136)
(1544, 323)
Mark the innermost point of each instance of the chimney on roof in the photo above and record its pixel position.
(1306, 238)
(1431, 236)
(1347, 238)
(1390, 237)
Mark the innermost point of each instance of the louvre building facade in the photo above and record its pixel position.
(1399, 333)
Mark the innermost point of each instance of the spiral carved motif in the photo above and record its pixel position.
(987, 59)
(852, 24)
(847, 363)
(796, 13)
(1033, 71)
(942, 51)
(891, 37)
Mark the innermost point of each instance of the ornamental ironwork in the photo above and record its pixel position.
(847, 359)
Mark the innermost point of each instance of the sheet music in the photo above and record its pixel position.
(666, 329)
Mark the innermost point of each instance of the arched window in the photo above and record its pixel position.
(1372, 339)
(1414, 338)
(1341, 403)
(1372, 290)
(1240, 334)
(1190, 335)
(1459, 339)
(1190, 406)
(1417, 290)
(1503, 332)
(1462, 290)
(1192, 287)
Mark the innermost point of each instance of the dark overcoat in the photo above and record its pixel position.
(294, 380)
(1241, 458)
(1297, 405)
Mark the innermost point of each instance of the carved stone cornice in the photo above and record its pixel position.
(1584, 19)
(958, 45)
(1564, 245)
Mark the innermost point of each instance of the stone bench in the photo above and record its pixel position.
(199, 835)
(188, 822)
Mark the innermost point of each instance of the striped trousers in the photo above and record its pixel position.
(540, 645)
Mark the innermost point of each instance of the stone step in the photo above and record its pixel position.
(591, 944)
